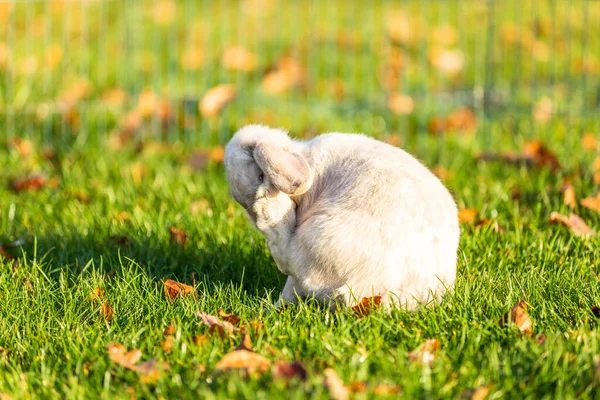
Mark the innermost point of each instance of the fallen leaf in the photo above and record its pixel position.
(246, 343)
(592, 203)
(245, 360)
(287, 73)
(461, 120)
(167, 344)
(518, 316)
(366, 306)
(217, 154)
(146, 105)
(114, 98)
(175, 289)
(450, 62)
(231, 318)
(199, 339)
(540, 339)
(106, 311)
(97, 294)
(169, 330)
(288, 371)
(150, 370)
(216, 98)
(574, 223)
(72, 95)
(30, 183)
(426, 353)
(401, 104)
(569, 197)
(6, 255)
(541, 155)
(481, 392)
(222, 328)
(335, 385)
(589, 141)
(386, 390)
(237, 58)
(467, 215)
(178, 236)
(23, 146)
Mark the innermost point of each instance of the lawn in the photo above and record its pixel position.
(88, 245)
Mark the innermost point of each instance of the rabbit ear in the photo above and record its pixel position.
(287, 171)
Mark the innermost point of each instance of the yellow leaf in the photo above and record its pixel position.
(237, 58)
(216, 98)
(589, 142)
(518, 316)
(467, 215)
(401, 104)
(248, 361)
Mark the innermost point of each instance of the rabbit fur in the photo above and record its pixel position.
(346, 216)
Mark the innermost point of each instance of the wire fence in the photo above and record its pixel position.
(196, 70)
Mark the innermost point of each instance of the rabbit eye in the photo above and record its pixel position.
(261, 178)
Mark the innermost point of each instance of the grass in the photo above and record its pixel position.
(53, 339)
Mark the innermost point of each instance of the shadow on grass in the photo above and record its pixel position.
(242, 261)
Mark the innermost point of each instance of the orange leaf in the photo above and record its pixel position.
(169, 330)
(337, 389)
(106, 311)
(199, 339)
(221, 328)
(175, 289)
(289, 371)
(518, 315)
(237, 58)
(462, 120)
(97, 294)
(426, 353)
(23, 146)
(401, 104)
(216, 98)
(167, 344)
(589, 142)
(574, 223)
(481, 392)
(30, 183)
(248, 361)
(287, 73)
(231, 318)
(467, 215)
(150, 369)
(366, 305)
(569, 197)
(178, 236)
(217, 154)
(246, 344)
(593, 203)
(541, 155)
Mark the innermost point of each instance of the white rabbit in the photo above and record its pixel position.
(346, 216)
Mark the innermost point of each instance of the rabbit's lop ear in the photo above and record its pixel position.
(287, 171)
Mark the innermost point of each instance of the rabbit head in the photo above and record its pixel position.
(257, 156)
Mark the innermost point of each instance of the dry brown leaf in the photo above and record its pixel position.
(222, 328)
(481, 392)
(246, 343)
(150, 370)
(288, 371)
(199, 339)
(592, 203)
(335, 385)
(401, 104)
(6, 255)
(237, 58)
(30, 183)
(462, 120)
(426, 353)
(467, 215)
(540, 339)
(541, 155)
(569, 197)
(169, 330)
(574, 223)
(106, 311)
(288, 73)
(97, 294)
(175, 289)
(589, 141)
(167, 344)
(216, 98)
(178, 236)
(366, 306)
(245, 360)
(518, 316)
(231, 318)
(23, 146)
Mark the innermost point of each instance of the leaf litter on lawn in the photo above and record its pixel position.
(150, 370)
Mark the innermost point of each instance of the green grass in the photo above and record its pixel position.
(53, 340)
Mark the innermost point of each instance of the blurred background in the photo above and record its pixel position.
(182, 71)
